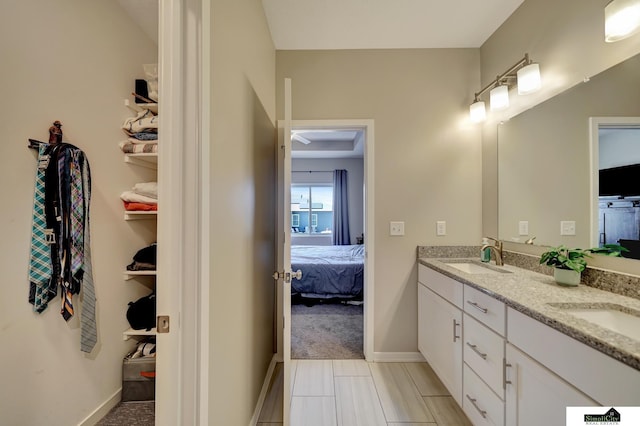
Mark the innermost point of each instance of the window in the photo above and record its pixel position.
(313, 206)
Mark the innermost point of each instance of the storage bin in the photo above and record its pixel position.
(136, 387)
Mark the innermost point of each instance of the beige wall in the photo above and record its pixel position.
(569, 45)
(242, 209)
(73, 61)
(427, 156)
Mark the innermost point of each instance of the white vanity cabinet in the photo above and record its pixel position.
(440, 327)
(536, 396)
(506, 368)
(548, 371)
(483, 356)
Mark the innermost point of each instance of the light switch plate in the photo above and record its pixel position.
(523, 227)
(568, 227)
(396, 228)
(441, 227)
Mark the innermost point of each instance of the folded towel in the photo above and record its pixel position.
(148, 189)
(132, 197)
(140, 207)
(138, 148)
(143, 141)
(145, 120)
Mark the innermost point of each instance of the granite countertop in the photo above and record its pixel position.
(538, 296)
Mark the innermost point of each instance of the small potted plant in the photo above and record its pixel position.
(569, 263)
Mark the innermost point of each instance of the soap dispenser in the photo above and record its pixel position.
(485, 253)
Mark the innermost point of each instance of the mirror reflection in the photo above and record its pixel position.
(548, 176)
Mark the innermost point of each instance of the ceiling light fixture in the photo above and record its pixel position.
(621, 19)
(524, 72)
(300, 138)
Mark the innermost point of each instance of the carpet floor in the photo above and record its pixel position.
(326, 331)
(130, 414)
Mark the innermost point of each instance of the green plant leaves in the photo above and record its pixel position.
(565, 258)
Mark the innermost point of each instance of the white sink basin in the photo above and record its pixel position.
(611, 317)
(474, 268)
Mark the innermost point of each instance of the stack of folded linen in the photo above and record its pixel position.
(143, 197)
(142, 132)
(134, 146)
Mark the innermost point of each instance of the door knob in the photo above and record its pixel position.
(286, 276)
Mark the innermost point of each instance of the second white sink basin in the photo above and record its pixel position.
(611, 317)
(474, 268)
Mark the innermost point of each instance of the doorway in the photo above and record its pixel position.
(615, 170)
(319, 148)
(327, 243)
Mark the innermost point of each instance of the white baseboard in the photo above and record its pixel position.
(102, 410)
(263, 391)
(398, 357)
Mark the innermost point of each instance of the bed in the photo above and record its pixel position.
(328, 271)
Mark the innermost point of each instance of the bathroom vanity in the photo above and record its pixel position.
(514, 348)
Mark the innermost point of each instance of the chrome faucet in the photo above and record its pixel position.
(496, 247)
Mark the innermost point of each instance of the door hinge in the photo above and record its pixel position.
(162, 324)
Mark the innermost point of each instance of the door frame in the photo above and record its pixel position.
(595, 124)
(367, 126)
(183, 230)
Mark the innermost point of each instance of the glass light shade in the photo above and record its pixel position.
(529, 79)
(621, 19)
(499, 98)
(477, 112)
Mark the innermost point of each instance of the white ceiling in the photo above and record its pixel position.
(338, 143)
(384, 24)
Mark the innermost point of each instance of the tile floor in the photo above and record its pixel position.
(355, 392)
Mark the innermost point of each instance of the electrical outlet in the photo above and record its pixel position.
(396, 228)
(523, 227)
(568, 227)
(441, 227)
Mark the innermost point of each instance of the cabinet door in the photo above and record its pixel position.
(536, 396)
(440, 339)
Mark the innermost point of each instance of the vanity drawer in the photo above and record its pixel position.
(483, 351)
(486, 309)
(447, 288)
(481, 405)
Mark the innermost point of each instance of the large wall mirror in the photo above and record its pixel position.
(547, 172)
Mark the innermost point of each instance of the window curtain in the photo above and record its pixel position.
(340, 209)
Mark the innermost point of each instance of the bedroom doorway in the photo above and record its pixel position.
(331, 221)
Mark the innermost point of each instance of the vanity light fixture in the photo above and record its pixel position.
(499, 97)
(621, 19)
(529, 79)
(527, 75)
(477, 111)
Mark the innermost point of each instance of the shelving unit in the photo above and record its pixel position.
(149, 161)
(129, 275)
(140, 215)
(131, 333)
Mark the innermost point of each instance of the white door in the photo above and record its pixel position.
(284, 275)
